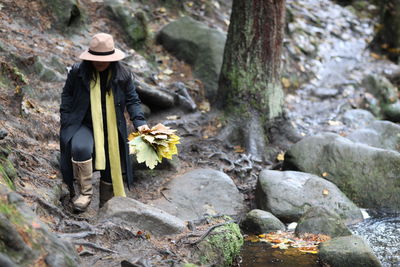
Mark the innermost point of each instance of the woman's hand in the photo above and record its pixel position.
(143, 128)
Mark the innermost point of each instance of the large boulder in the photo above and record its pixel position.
(221, 246)
(127, 211)
(367, 175)
(201, 192)
(26, 241)
(288, 195)
(380, 134)
(319, 220)
(348, 251)
(200, 46)
(261, 221)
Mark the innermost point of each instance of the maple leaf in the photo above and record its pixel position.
(144, 152)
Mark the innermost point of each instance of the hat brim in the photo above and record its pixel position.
(116, 56)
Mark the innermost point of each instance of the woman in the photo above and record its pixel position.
(93, 124)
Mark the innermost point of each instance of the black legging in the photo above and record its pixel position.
(82, 144)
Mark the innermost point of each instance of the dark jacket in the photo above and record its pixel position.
(75, 102)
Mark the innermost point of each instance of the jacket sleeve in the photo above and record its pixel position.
(133, 104)
(67, 97)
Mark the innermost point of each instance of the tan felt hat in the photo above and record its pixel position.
(101, 48)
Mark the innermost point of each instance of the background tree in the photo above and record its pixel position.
(387, 39)
(250, 90)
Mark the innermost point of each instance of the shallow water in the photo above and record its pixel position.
(383, 235)
(262, 255)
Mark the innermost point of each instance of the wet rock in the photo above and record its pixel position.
(348, 251)
(392, 111)
(221, 246)
(133, 20)
(200, 46)
(303, 42)
(324, 93)
(288, 195)
(182, 96)
(142, 217)
(201, 192)
(154, 97)
(357, 118)
(380, 134)
(260, 221)
(319, 220)
(367, 175)
(26, 239)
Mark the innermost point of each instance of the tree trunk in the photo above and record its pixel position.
(250, 90)
(250, 74)
(387, 40)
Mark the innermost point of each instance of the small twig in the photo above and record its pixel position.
(208, 232)
(162, 193)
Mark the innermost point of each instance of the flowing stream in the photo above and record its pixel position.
(340, 40)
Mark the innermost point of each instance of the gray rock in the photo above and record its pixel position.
(200, 46)
(288, 195)
(221, 246)
(133, 20)
(381, 88)
(44, 72)
(201, 192)
(356, 118)
(380, 134)
(154, 97)
(367, 175)
(65, 12)
(348, 251)
(260, 221)
(324, 93)
(143, 217)
(319, 220)
(392, 111)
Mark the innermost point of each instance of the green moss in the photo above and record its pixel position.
(7, 173)
(222, 245)
(11, 212)
(190, 265)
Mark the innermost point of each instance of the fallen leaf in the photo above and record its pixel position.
(325, 192)
(375, 56)
(79, 249)
(286, 82)
(324, 174)
(335, 123)
(281, 156)
(239, 149)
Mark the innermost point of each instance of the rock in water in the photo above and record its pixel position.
(369, 176)
(288, 195)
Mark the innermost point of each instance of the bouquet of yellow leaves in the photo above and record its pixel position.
(151, 146)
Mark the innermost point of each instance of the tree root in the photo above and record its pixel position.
(93, 245)
(204, 235)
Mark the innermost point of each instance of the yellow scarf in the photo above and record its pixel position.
(98, 132)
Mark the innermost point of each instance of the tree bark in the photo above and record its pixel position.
(387, 39)
(250, 74)
(250, 90)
